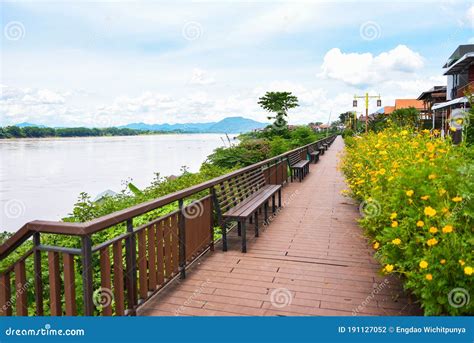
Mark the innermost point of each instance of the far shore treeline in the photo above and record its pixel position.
(42, 132)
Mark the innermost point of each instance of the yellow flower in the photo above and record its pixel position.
(432, 176)
(420, 223)
(394, 223)
(442, 191)
(393, 215)
(388, 268)
(404, 133)
(430, 211)
(426, 131)
(425, 197)
(443, 261)
(432, 241)
(376, 245)
(382, 171)
(448, 229)
(423, 264)
(409, 192)
(396, 241)
(461, 262)
(468, 270)
(429, 277)
(410, 201)
(433, 229)
(457, 199)
(444, 210)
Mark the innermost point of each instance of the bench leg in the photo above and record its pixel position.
(224, 237)
(256, 224)
(265, 211)
(239, 229)
(244, 236)
(273, 203)
(279, 198)
(301, 174)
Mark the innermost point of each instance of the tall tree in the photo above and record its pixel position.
(278, 103)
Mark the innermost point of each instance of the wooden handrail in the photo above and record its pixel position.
(104, 222)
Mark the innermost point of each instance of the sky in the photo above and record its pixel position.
(106, 63)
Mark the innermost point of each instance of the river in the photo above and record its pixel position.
(42, 178)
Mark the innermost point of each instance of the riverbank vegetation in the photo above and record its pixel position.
(43, 132)
(416, 193)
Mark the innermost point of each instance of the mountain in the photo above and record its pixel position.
(25, 124)
(226, 125)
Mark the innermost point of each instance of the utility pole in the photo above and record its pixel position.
(367, 97)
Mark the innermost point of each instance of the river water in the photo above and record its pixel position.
(42, 178)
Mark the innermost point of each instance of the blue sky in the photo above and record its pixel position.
(111, 63)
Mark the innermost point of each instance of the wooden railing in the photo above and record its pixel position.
(468, 88)
(131, 266)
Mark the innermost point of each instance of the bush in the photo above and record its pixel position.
(417, 191)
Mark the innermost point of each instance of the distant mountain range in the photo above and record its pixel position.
(226, 125)
(25, 124)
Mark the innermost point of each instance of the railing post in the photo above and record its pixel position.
(182, 240)
(219, 219)
(87, 276)
(131, 267)
(38, 275)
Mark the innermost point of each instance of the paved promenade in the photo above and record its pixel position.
(311, 260)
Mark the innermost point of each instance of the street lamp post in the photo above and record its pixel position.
(367, 97)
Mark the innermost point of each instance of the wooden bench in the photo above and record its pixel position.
(321, 148)
(313, 154)
(242, 197)
(299, 167)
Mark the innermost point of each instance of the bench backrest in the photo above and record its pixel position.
(236, 189)
(296, 156)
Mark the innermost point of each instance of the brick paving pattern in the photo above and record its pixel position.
(311, 260)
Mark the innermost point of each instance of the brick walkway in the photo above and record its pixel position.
(311, 260)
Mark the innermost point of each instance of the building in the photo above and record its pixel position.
(459, 68)
(433, 96)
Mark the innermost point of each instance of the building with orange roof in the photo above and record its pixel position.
(407, 103)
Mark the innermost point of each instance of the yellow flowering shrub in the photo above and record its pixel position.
(421, 187)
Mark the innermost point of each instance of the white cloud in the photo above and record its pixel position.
(201, 77)
(470, 16)
(362, 69)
